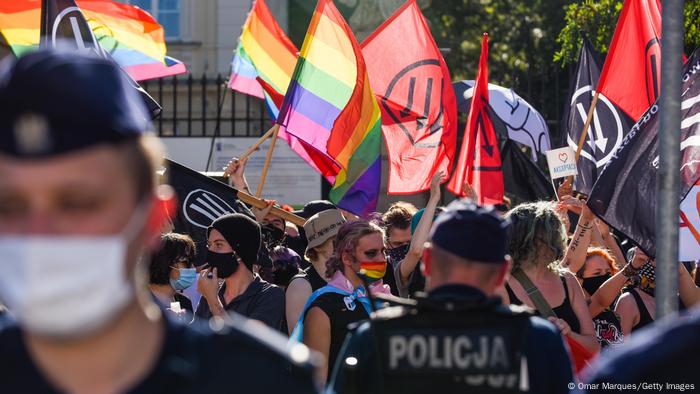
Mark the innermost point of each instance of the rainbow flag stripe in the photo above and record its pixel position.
(264, 51)
(134, 39)
(330, 105)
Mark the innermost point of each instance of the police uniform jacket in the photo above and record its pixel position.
(454, 340)
(241, 358)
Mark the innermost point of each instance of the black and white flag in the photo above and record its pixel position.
(625, 193)
(607, 128)
(63, 23)
(201, 200)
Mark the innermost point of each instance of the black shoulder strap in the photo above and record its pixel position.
(534, 293)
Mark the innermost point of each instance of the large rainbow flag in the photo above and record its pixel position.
(262, 66)
(132, 36)
(330, 105)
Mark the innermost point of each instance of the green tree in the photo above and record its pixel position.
(597, 20)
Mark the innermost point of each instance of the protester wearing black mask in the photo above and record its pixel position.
(234, 241)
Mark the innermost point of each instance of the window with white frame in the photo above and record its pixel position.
(168, 14)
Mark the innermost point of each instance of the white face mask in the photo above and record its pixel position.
(66, 286)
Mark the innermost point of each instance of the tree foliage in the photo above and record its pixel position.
(597, 20)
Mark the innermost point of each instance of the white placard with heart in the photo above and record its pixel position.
(562, 162)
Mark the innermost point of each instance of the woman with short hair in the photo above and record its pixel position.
(171, 271)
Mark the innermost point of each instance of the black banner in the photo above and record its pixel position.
(63, 25)
(625, 193)
(607, 128)
(201, 200)
(521, 177)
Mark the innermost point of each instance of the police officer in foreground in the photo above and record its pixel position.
(79, 208)
(458, 338)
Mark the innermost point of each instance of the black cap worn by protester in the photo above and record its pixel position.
(54, 102)
(313, 207)
(242, 233)
(471, 232)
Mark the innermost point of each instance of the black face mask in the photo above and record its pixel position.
(395, 255)
(272, 236)
(225, 263)
(592, 284)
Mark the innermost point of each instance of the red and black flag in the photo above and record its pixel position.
(479, 160)
(63, 24)
(631, 74)
(608, 126)
(412, 84)
(625, 193)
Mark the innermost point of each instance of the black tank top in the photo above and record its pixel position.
(644, 316)
(563, 311)
(608, 330)
(310, 275)
(333, 305)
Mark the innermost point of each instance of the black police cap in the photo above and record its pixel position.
(471, 232)
(54, 102)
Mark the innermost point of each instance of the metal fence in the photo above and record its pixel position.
(204, 107)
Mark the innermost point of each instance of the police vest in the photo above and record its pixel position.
(444, 347)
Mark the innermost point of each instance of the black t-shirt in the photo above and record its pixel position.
(340, 316)
(192, 360)
(608, 330)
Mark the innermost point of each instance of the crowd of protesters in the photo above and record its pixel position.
(312, 284)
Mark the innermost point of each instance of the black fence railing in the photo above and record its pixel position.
(204, 107)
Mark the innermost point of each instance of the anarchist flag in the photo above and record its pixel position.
(631, 75)
(201, 200)
(63, 24)
(419, 112)
(625, 193)
(522, 178)
(479, 160)
(608, 126)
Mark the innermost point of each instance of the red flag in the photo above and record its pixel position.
(632, 72)
(412, 84)
(480, 167)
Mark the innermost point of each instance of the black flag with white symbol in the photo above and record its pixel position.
(625, 193)
(608, 126)
(201, 200)
(62, 24)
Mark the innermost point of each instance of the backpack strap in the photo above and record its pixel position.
(534, 293)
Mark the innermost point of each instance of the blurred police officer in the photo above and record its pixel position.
(79, 206)
(458, 338)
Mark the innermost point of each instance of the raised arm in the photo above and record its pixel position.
(575, 255)
(415, 251)
(611, 244)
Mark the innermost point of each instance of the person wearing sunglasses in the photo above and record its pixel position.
(171, 271)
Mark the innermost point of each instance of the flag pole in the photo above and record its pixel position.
(268, 159)
(253, 148)
(261, 204)
(584, 133)
(668, 176)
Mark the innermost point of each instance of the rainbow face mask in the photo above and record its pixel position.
(373, 270)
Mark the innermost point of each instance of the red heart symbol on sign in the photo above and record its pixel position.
(563, 157)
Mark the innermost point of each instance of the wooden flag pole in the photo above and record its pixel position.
(584, 133)
(261, 204)
(268, 159)
(253, 147)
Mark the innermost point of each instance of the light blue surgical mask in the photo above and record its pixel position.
(186, 279)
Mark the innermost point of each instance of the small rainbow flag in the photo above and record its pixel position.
(264, 51)
(330, 105)
(134, 39)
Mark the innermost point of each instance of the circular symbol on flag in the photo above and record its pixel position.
(70, 27)
(605, 132)
(652, 68)
(413, 100)
(202, 207)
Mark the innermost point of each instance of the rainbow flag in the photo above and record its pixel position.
(330, 105)
(133, 37)
(264, 51)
